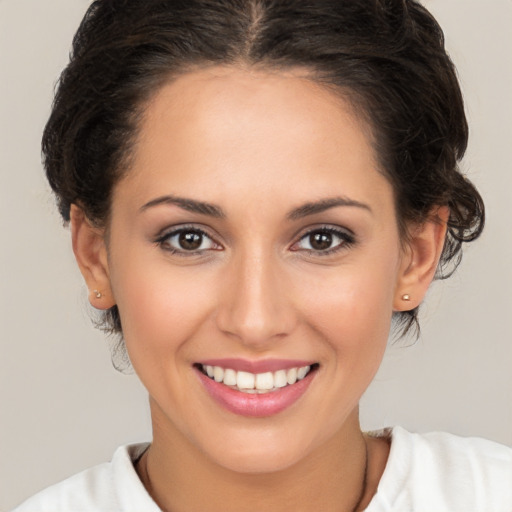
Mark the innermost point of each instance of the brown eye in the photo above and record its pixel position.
(320, 241)
(187, 240)
(190, 241)
(324, 241)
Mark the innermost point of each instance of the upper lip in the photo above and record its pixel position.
(261, 366)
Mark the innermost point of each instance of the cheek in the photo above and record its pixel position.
(161, 307)
(360, 296)
(352, 307)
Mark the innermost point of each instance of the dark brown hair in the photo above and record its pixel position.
(387, 56)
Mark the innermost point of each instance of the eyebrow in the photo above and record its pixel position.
(212, 210)
(323, 205)
(190, 205)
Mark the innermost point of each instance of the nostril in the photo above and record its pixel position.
(256, 325)
(253, 304)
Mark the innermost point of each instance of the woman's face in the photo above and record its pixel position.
(254, 235)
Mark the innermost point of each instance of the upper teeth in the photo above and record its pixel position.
(256, 382)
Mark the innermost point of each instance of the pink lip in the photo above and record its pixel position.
(266, 365)
(255, 405)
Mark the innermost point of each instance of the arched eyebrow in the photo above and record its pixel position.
(190, 205)
(323, 205)
(204, 208)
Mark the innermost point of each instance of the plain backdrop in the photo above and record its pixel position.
(63, 406)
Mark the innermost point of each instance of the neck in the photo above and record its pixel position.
(339, 475)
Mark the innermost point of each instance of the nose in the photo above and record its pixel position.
(255, 303)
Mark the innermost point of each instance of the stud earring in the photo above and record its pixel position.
(98, 294)
(406, 297)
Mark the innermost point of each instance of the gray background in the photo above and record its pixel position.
(64, 408)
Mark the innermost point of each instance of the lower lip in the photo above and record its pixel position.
(256, 405)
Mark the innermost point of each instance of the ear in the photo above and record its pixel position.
(420, 259)
(91, 255)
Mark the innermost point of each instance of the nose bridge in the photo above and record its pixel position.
(255, 306)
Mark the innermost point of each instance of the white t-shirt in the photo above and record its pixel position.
(434, 472)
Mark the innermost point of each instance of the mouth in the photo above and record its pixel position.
(256, 383)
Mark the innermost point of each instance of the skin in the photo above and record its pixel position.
(256, 145)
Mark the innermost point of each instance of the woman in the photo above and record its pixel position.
(254, 312)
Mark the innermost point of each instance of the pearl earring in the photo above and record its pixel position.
(98, 294)
(406, 297)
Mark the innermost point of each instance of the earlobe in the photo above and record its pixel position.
(420, 259)
(91, 255)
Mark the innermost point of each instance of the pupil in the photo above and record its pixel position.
(320, 241)
(190, 241)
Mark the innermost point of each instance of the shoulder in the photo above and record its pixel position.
(110, 486)
(444, 472)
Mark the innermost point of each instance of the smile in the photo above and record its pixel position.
(255, 383)
(256, 389)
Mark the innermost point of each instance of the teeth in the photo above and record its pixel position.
(302, 372)
(256, 383)
(264, 380)
(280, 379)
(245, 380)
(218, 373)
(291, 376)
(230, 377)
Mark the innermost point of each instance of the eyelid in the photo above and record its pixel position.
(169, 232)
(346, 235)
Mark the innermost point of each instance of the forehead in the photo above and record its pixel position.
(219, 132)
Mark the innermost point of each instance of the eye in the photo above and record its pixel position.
(324, 240)
(187, 240)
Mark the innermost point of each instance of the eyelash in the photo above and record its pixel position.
(346, 240)
(163, 240)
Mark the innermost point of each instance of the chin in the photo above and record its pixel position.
(270, 459)
(270, 447)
